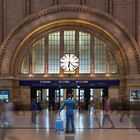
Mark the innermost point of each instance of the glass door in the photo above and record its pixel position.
(80, 98)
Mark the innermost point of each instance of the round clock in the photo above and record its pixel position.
(69, 62)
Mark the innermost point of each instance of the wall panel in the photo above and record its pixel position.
(14, 13)
(125, 14)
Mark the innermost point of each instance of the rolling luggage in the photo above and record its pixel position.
(59, 125)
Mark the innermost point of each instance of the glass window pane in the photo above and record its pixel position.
(38, 57)
(69, 41)
(54, 53)
(112, 64)
(84, 52)
(99, 56)
(25, 65)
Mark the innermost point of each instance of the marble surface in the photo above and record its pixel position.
(88, 126)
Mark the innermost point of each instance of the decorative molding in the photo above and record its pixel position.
(81, 9)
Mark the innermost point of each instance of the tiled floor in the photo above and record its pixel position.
(87, 127)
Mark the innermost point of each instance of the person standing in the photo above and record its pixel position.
(16, 106)
(34, 109)
(70, 106)
(106, 112)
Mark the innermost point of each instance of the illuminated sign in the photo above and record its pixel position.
(69, 83)
(4, 95)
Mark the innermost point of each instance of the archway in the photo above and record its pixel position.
(124, 46)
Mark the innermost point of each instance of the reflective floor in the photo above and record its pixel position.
(88, 126)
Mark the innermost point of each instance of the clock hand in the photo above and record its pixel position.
(72, 65)
(69, 64)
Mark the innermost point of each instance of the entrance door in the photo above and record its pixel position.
(36, 93)
(86, 97)
(97, 96)
(80, 98)
(56, 97)
(80, 95)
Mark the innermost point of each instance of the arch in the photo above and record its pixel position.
(57, 17)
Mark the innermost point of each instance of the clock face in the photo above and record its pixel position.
(69, 62)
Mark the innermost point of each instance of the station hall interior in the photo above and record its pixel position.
(87, 48)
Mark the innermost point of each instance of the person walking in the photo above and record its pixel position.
(124, 109)
(106, 112)
(70, 106)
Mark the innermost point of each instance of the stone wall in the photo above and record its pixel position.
(125, 11)
(1, 21)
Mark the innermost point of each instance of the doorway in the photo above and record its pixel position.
(55, 97)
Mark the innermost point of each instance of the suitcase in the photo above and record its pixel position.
(59, 125)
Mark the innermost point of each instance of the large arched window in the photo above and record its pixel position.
(94, 54)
